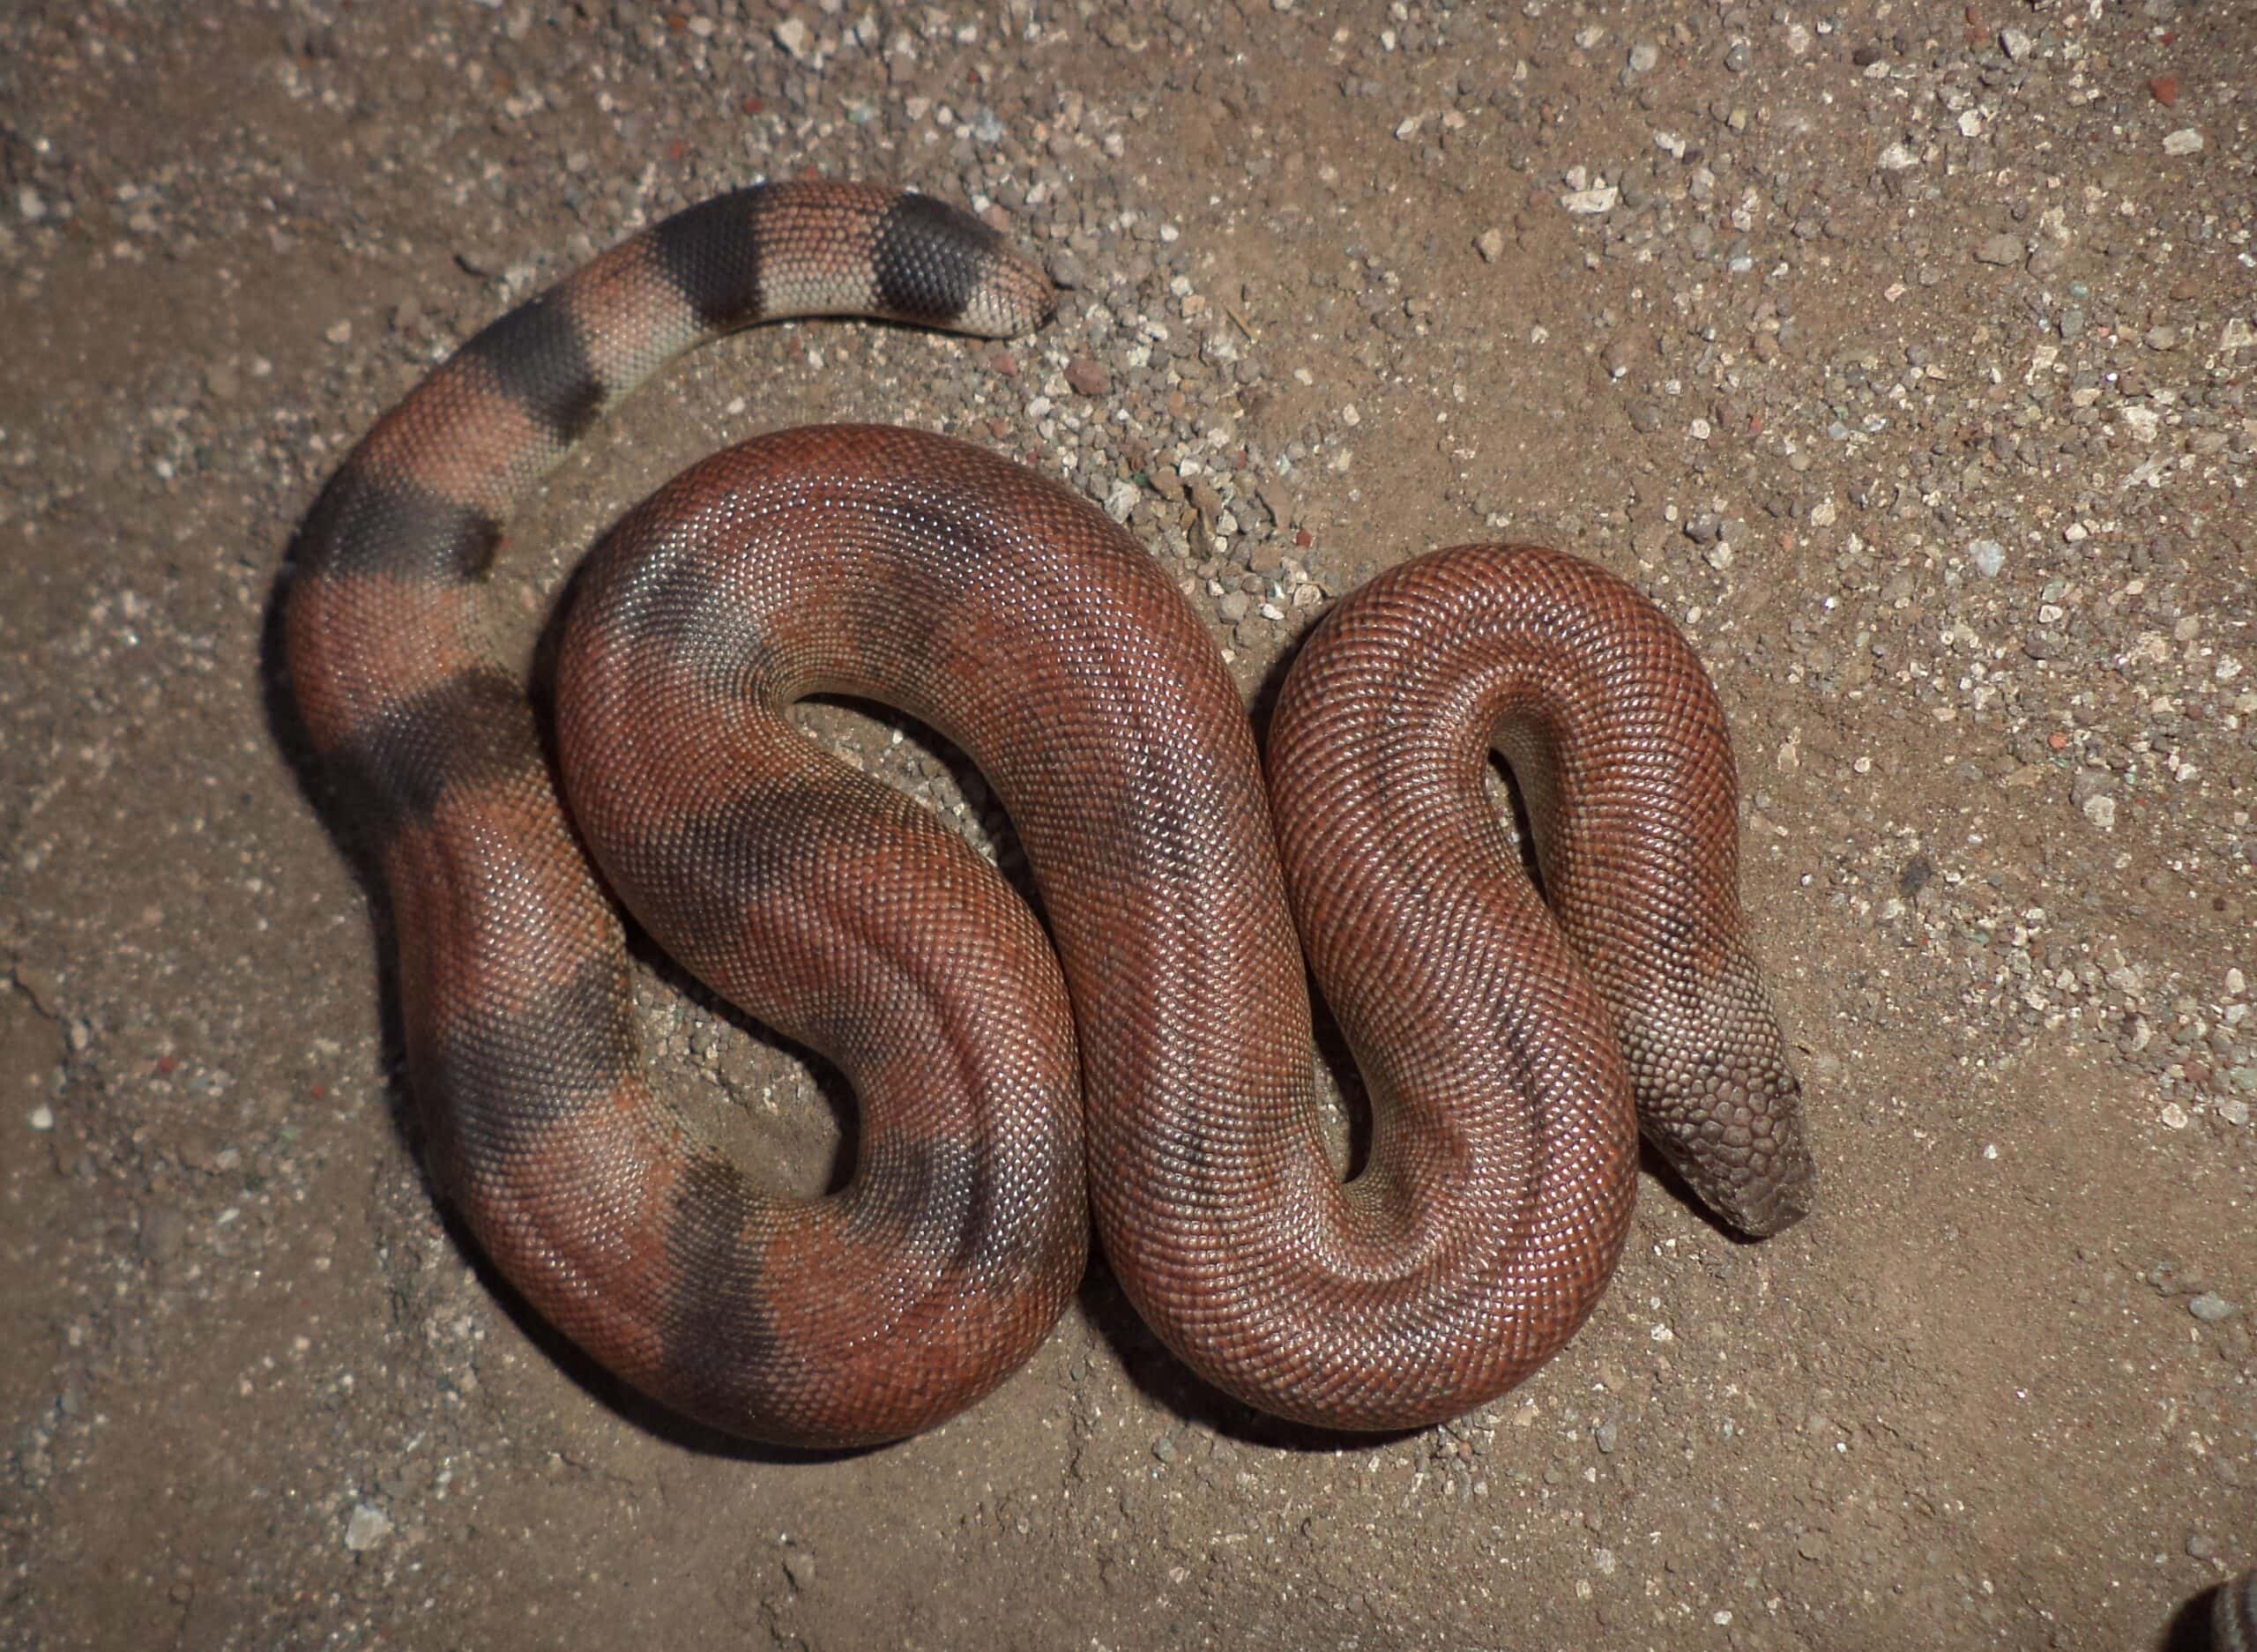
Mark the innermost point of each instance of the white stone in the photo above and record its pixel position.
(369, 1527)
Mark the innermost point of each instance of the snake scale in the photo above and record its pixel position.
(1147, 1058)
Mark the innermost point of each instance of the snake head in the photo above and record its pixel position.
(1753, 1167)
(1719, 1100)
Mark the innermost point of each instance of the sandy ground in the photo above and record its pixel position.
(1904, 352)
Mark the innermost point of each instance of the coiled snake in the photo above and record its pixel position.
(1165, 1014)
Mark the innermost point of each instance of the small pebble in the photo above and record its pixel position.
(164, 1233)
(369, 1527)
(799, 1566)
(2209, 1307)
(2002, 250)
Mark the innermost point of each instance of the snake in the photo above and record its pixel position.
(1137, 1054)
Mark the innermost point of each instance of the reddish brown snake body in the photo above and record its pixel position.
(1498, 1036)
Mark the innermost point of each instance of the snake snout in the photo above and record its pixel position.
(1745, 1157)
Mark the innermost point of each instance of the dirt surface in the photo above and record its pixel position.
(1903, 353)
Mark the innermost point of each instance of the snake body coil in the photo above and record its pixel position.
(1501, 1033)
